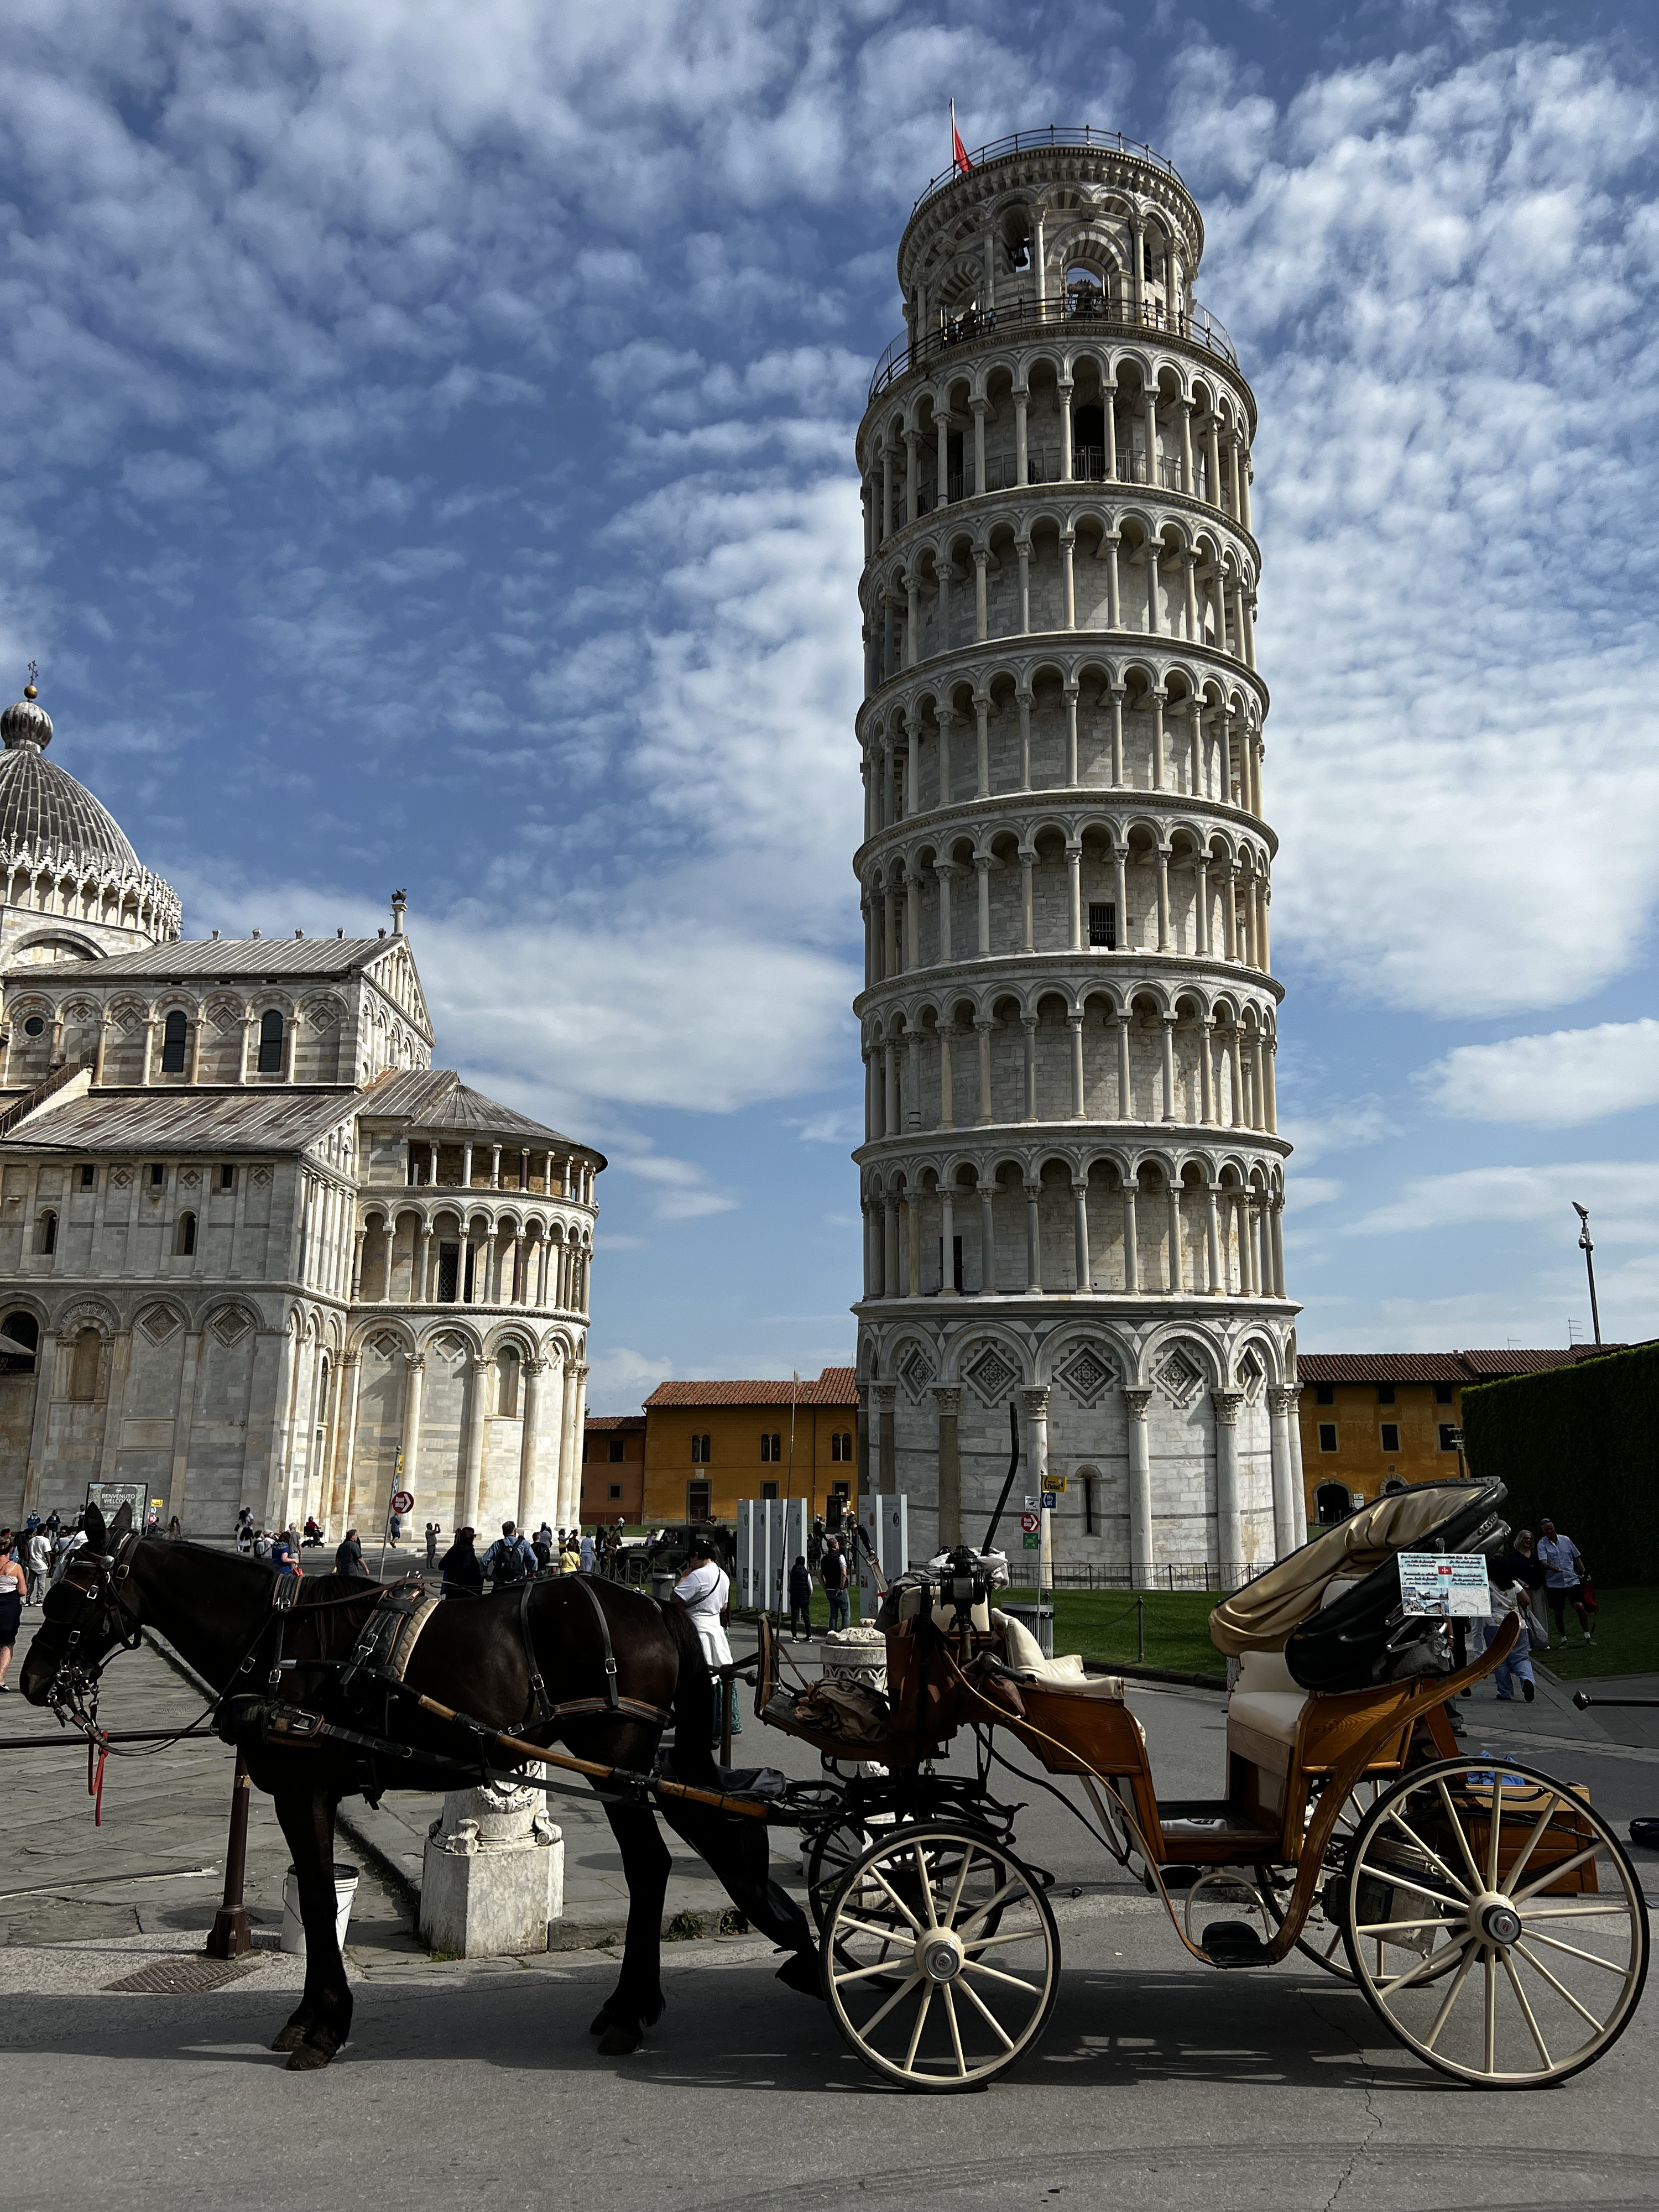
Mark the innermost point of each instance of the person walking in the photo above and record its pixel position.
(833, 1570)
(348, 1555)
(245, 1532)
(800, 1599)
(704, 1589)
(1564, 1574)
(13, 1585)
(285, 1553)
(40, 1563)
(1507, 1594)
(461, 1568)
(544, 1535)
(64, 1546)
(570, 1559)
(175, 1530)
(510, 1560)
(585, 1553)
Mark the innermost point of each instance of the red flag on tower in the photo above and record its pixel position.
(958, 151)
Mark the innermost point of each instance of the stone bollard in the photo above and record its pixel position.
(493, 1875)
(856, 1655)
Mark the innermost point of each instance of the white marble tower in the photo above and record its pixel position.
(1072, 1178)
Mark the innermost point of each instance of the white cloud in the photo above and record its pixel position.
(1437, 273)
(1302, 1191)
(1344, 1127)
(1622, 1197)
(620, 1379)
(1555, 1081)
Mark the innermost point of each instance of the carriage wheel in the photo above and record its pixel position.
(1320, 1939)
(941, 1961)
(1510, 1928)
(833, 1850)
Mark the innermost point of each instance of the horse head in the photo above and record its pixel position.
(91, 1611)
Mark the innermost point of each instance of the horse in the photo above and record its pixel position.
(502, 1659)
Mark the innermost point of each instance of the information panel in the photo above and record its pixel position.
(1449, 1585)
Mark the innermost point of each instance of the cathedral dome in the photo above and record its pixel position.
(44, 812)
(52, 828)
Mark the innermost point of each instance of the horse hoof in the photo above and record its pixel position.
(800, 1971)
(290, 2039)
(617, 2041)
(308, 2059)
(600, 2021)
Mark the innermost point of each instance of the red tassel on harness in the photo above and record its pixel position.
(96, 1781)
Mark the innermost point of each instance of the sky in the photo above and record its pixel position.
(428, 440)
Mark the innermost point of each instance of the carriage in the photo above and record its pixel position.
(1484, 1910)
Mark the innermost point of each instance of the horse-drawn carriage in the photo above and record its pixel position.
(1486, 1910)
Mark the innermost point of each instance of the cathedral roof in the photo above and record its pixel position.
(44, 814)
(222, 958)
(436, 1099)
(274, 1121)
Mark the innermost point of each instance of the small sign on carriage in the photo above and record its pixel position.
(1448, 1585)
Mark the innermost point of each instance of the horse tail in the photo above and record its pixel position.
(692, 1703)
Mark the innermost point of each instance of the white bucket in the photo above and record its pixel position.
(294, 1931)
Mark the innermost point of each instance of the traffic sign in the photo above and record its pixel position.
(1050, 1499)
(1030, 1543)
(1030, 1505)
(1054, 1482)
(402, 1501)
(1028, 1522)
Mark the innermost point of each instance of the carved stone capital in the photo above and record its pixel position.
(414, 1362)
(1227, 1404)
(947, 1396)
(1034, 1396)
(1284, 1397)
(882, 1394)
(1135, 1403)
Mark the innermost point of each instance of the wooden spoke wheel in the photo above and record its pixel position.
(941, 1961)
(1320, 1939)
(1495, 1923)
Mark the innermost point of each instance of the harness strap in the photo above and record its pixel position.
(633, 1708)
(381, 1649)
(541, 1707)
(612, 1701)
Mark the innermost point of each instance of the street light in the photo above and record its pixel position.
(1588, 1250)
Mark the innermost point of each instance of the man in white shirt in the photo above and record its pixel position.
(704, 1588)
(1563, 1576)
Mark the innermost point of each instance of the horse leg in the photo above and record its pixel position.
(322, 2020)
(736, 1850)
(636, 2001)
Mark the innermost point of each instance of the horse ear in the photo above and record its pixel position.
(97, 1533)
(122, 1524)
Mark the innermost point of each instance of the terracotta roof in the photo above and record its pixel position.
(615, 1421)
(836, 1386)
(1440, 1366)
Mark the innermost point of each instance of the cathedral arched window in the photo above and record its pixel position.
(84, 1366)
(506, 1387)
(46, 1232)
(19, 1344)
(270, 1043)
(184, 1236)
(173, 1044)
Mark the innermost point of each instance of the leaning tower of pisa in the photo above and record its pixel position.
(1071, 1179)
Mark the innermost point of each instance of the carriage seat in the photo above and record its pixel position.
(1267, 1704)
(1023, 1654)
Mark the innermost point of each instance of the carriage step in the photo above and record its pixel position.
(1235, 1943)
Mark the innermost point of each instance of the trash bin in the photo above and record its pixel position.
(662, 1583)
(293, 1936)
(1040, 1620)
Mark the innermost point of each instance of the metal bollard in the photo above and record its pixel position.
(228, 1936)
(1140, 1627)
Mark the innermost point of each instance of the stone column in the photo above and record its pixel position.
(1298, 1484)
(1074, 895)
(947, 1268)
(1281, 1406)
(948, 1398)
(983, 1026)
(1135, 1403)
(1068, 582)
(472, 1442)
(1033, 1241)
(183, 1421)
(422, 1268)
(947, 1116)
(345, 1446)
(1022, 461)
(943, 871)
(409, 1440)
(1074, 1023)
(570, 1450)
(1126, 1093)
(1029, 1023)
(1131, 1239)
(887, 1476)
(861, 1444)
(1206, 1069)
(1034, 1402)
(983, 865)
(1168, 1025)
(120, 1361)
(1217, 1285)
(50, 1361)
(1229, 1531)
(1177, 1258)
(1080, 1236)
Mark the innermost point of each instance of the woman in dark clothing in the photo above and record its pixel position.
(463, 1575)
(800, 1599)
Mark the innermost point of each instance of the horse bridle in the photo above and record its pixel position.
(103, 1613)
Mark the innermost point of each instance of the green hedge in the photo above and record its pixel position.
(1577, 1444)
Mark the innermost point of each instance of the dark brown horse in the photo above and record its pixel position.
(216, 1611)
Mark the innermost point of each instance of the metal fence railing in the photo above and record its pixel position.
(978, 326)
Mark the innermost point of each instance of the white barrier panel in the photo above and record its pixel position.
(886, 1522)
(771, 1536)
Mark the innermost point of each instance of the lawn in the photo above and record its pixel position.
(1627, 1638)
(1102, 1625)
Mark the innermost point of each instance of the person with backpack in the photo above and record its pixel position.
(511, 1560)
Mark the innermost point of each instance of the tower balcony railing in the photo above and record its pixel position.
(1095, 310)
(1079, 136)
(1044, 465)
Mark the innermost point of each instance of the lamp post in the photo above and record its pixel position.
(1588, 1250)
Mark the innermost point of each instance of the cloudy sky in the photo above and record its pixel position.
(428, 436)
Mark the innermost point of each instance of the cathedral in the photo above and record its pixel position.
(255, 1250)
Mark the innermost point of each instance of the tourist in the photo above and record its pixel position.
(348, 1555)
(245, 1531)
(462, 1572)
(285, 1553)
(313, 1534)
(1510, 1597)
(800, 1599)
(13, 1585)
(175, 1530)
(543, 1539)
(40, 1563)
(511, 1560)
(833, 1572)
(703, 1589)
(570, 1559)
(586, 1552)
(1564, 1574)
(65, 1545)
(261, 1545)
(432, 1532)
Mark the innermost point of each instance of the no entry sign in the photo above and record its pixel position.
(1028, 1522)
(402, 1501)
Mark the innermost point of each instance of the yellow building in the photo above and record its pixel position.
(707, 1445)
(1377, 1421)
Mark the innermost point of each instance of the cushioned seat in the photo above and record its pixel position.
(1024, 1655)
(1267, 1703)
